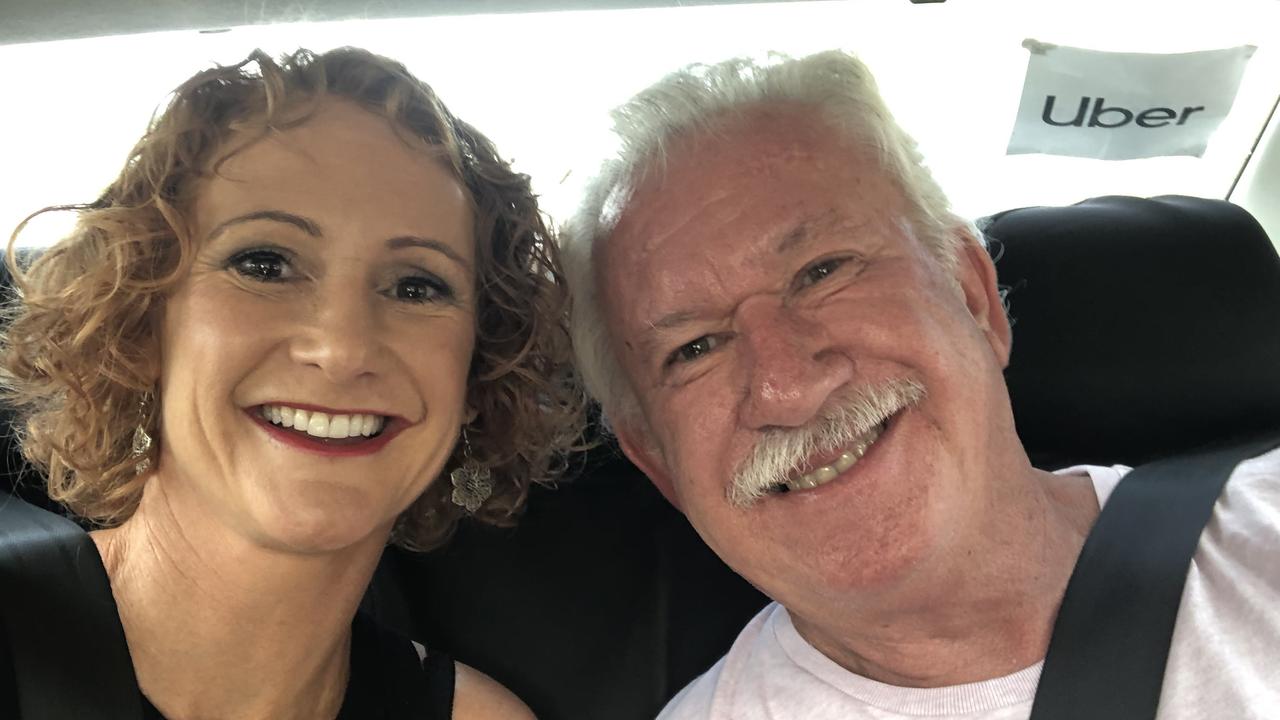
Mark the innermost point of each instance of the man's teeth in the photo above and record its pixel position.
(847, 459)
(323, 425)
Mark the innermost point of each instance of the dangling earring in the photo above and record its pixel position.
(472, 482)
(141, 439)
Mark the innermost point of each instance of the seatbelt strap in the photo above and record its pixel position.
(1110, 642)
(67, 647)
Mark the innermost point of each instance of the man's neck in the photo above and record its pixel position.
(221, 627)
(979, 612)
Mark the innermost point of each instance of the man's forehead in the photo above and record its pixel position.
(734, 215)
(747, 141)
(722, 202)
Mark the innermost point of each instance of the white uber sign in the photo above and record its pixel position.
(1121, 106)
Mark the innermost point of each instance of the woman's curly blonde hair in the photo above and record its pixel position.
(78, 357)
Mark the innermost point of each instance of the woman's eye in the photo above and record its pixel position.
(819, 271)
(693, 350)
(262, 265)
(422, 290)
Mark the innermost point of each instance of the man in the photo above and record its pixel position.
(802, 346)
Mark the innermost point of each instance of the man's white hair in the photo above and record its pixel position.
(702, 99)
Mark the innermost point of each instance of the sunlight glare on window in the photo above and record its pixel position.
(540, 85)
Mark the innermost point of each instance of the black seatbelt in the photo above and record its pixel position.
(1110, 642)
(67, 647)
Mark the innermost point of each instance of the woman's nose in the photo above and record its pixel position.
(339, 336)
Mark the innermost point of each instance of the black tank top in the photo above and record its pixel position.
(63, 631)
(388, 680)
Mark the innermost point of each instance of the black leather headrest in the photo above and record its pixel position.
(1142, 328)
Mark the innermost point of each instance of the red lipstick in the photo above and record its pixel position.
(329, 447)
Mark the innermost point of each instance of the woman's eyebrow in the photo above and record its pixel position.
(305, 224)
(405, 241)
(311, 228)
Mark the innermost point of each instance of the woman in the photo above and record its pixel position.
(310, 294)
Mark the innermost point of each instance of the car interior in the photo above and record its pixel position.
(603, 602)
(1143, 326)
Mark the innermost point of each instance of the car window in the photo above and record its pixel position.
(541, 84)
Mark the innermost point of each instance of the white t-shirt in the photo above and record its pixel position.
(1224, 661)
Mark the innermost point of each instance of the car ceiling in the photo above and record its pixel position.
(24, 21)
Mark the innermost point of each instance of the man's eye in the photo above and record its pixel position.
(819, 271)
(694, 350)
(419, 289)
(261, 265)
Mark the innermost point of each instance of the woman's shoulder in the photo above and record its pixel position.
(479, 697)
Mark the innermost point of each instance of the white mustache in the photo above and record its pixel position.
(782, 453)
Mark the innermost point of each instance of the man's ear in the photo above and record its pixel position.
(639, 447)
(976, 274)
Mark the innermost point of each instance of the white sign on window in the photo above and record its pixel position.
(1121, 106)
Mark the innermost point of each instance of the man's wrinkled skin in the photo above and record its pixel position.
(760, 275)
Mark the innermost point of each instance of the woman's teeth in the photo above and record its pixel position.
(847, 459)
(323, 425)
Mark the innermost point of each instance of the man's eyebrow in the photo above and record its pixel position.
(651, 338)
(406, 241)
(811, 228)
(796, 236)
(304, 224)
(671, 320)
(804, 231)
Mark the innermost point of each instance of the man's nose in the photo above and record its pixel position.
(792, 368)
(339, 335)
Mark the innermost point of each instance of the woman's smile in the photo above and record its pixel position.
(328, 432)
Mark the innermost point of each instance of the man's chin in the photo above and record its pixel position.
(862, 534)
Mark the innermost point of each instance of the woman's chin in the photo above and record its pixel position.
(319, 525)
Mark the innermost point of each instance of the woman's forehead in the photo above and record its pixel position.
(342, 165)
(327, 128)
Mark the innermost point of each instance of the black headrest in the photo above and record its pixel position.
(1142, 328)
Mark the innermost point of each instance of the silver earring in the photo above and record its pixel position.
(141, 439)
(472, 482)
